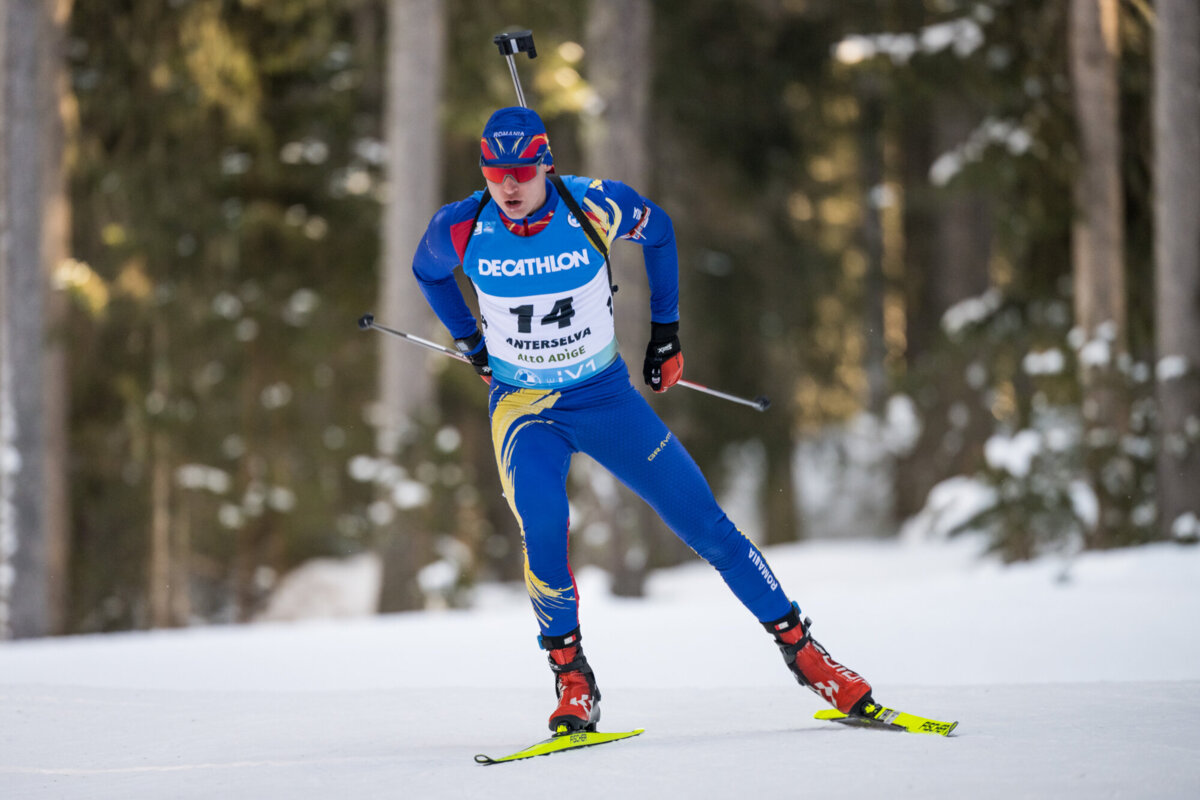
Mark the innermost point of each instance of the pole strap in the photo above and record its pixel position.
(586, 224)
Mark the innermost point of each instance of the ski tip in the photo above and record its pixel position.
(933, 726)
(828, 714)
(558, 743)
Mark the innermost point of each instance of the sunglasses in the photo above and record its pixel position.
(521, 173)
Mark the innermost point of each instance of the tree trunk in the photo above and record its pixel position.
(963, 232)
(1097, 244)
(947, 246)
(8, 452)
(57, 112)
(416, 55)
(617, 43)
(1177, 262)
(159, 569)
(871, 170)
(416, 52)
(32, 229)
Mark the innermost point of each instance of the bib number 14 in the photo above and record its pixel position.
(560, 314)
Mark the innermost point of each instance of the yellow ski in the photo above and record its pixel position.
(877, 716)
(559, 743)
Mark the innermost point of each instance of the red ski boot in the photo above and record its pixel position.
(578, 698)
(843, 688)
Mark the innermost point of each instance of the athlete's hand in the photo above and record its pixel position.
(475, 349)
(664, 356)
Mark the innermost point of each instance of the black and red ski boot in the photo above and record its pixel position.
(578, 697)
(841, 687)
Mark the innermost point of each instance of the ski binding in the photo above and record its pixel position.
(876, 716)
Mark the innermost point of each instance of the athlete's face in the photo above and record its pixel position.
(519, 199)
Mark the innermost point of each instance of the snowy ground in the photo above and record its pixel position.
(1069, 680)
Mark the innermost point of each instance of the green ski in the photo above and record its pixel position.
(558, 743)
(877, 716)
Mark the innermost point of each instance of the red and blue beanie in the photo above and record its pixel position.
(515, 135)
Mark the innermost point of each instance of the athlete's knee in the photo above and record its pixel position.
(721, 545)
(545, 534)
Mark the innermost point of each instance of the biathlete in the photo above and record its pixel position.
(534, 246)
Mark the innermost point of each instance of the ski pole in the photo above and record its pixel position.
(760, 403)
(510, 44)
(367, 322)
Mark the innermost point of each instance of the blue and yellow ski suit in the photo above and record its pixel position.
(560, 387)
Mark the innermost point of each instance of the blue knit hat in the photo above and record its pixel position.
(515, 135)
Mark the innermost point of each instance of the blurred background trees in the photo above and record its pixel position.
(36, 117)
(948, 238)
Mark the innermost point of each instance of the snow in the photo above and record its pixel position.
(1070, 678)
(970, 311)
(1171, 368)
(1084, 502)
(1001, 132)
(951, 504)
(203, 477)
(327, 588)
(964, 36)
(1013, 454)
(1045, 362)
(841, 461)
(1096, 353)
(1186, 526)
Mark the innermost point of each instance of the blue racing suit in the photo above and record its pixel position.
(559, 386)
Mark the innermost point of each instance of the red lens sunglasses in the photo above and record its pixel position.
(521, 173)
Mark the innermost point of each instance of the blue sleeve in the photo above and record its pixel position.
(434, 264)
(644, 223)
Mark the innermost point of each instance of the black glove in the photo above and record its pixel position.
(664, 356)
(475, 349)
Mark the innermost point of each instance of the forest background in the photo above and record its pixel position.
(952, 240)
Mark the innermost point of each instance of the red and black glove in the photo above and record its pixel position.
(664, 356)
(475, 349)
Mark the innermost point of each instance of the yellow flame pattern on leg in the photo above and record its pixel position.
(514, 412)
(546, 599)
